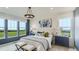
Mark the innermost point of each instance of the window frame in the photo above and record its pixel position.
(3, 31)
(24, 30)
(7, 39)
(61, 30)
(16, 30)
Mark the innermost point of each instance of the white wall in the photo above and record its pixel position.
(35, 24)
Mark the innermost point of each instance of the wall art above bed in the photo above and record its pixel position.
(45, 23)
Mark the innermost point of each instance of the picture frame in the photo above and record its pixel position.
(45, 23)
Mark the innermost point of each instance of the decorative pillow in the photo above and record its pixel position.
(31, 33)
(46, 34)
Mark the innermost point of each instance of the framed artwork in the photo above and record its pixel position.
(45, 23)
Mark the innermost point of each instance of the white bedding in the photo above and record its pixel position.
(49, 39)
(40, 42)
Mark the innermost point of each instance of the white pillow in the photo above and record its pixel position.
(39, 34)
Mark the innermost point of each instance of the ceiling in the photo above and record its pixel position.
(20, 11)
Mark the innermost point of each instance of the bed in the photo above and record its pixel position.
(41, 43)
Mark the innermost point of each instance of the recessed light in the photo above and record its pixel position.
(51, 8)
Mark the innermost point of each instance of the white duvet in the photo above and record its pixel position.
(41, 43)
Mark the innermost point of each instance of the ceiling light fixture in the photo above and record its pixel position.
(29, 14)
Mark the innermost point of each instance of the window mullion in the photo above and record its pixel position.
(26, 28)
(18, 28)
(6, 28)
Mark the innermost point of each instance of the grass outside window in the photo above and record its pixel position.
(1, 34)
(66, 33)
(22, 32)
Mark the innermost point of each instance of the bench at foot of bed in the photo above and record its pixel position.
(29, 47)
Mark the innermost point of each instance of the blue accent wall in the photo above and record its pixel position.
(8, 40)
(3, 41)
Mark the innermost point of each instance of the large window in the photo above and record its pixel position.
(12, 28)
(1, 28)
(65, 26)
(22, 28)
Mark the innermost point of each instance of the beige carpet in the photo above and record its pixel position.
(11, 47)
(60, 48)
